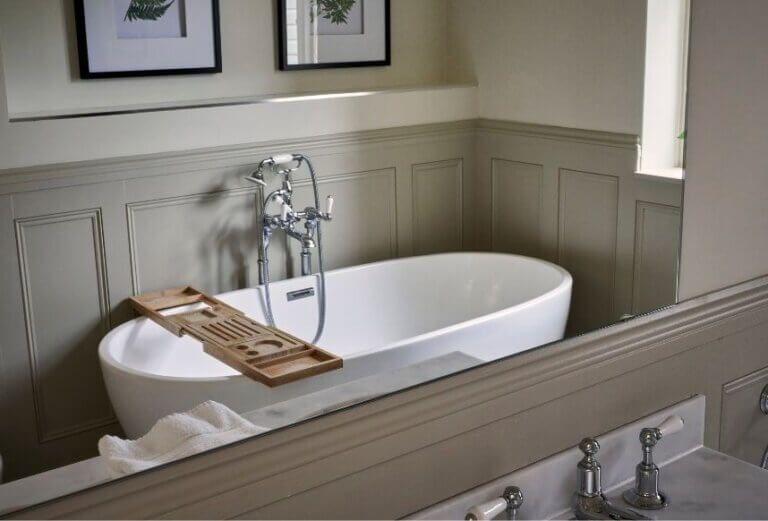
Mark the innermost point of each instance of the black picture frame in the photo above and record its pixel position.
(282, 38)
(87, 74)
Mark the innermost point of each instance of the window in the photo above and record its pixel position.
(666, 63)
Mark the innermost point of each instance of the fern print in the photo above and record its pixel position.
(149, 10)
(336, 11)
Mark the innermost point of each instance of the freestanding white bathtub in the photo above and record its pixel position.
(380, 316)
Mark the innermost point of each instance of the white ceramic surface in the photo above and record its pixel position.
(380, 316)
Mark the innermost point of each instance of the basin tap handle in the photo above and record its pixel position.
(671, 425)
(329, 208)
(511, 501)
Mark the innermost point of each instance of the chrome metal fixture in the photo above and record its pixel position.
(646, 494)
(288, 220)
(511, 501)
(589, 502)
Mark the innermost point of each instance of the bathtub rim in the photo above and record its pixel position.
(565, 284)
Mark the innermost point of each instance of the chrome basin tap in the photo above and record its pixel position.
(589, 502)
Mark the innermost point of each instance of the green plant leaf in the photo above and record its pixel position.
(681, 135)
(336, 11)
(149, 10)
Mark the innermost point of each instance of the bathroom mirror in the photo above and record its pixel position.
(448, 245)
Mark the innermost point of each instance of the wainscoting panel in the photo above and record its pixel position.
(657, 251)
(67, 249)
(571, 196)
(78, 239)
(364, 226)
(744, 427)
(437, 206)
(68, 394)
(203, 240)
(587, 244)
(518, 193)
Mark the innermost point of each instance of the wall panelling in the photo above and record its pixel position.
(82, 237)
(77, 239)
(437, 206)
(572, 197)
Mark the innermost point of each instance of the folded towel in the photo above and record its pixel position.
(176, 436)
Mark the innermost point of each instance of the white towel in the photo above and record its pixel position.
(176, 436)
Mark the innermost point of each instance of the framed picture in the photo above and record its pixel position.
(319, 34)
(121, 38)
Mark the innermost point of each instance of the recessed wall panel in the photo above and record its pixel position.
(657, 250)
(437, 206)
(517, 205)
(204, 240)
(364, 226)
(66, 307)
(587, 231)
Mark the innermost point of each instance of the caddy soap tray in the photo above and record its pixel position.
(265, 354)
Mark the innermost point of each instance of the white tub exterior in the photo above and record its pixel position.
(380, 316)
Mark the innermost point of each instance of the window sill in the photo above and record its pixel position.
(674, 175)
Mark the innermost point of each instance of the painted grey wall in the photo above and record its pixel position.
(726, 218)
(78, 239)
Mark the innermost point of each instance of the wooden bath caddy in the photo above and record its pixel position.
(265, 354)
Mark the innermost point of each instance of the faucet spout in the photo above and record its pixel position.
(599, 507)
(306, 262)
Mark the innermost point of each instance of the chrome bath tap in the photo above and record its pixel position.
(289, 220)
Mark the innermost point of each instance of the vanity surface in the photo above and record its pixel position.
(700, 483)
(707, 484)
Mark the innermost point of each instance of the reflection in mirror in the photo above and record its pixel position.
(287, 283)
(316, 34)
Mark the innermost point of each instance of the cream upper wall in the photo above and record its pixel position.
(725, 221)
(37, 53)
(39, 47)
(575, 63)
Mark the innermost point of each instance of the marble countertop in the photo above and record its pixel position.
(700, 483)
(707, 484)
